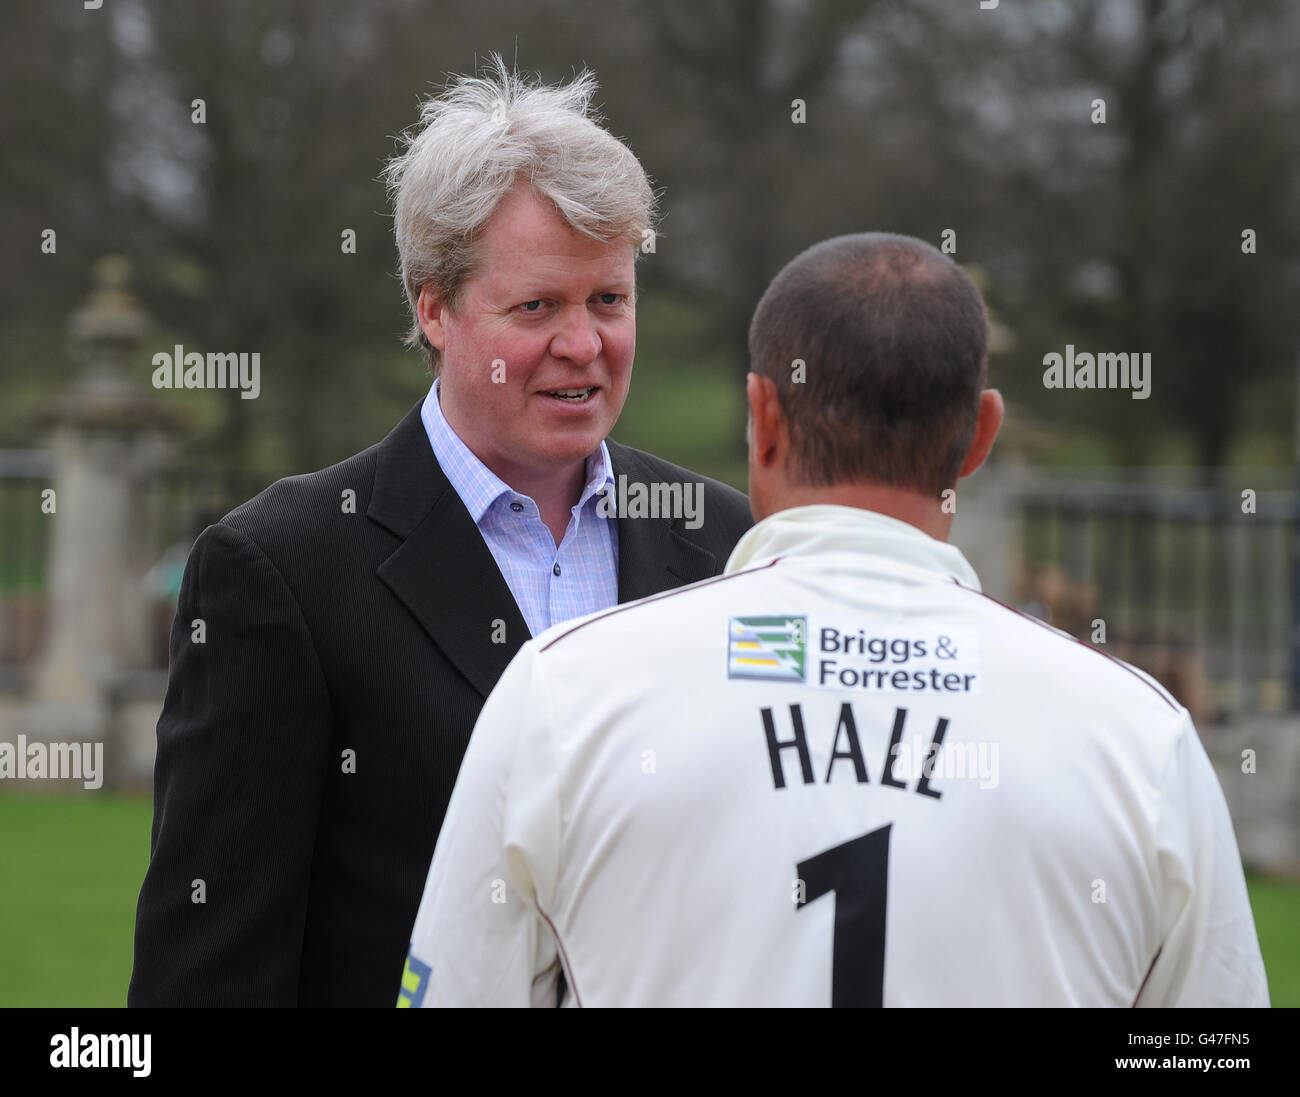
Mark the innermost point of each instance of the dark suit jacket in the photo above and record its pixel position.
(309, 743)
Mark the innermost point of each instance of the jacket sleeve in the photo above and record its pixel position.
(1210, 953)
(243, 744)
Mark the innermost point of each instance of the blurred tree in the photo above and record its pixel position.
(919, 117)
(747, 87)
(1199, 144)
(296, 131)
(54, 175)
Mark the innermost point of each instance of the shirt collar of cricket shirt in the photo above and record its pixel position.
(476, 484)
(827, 529)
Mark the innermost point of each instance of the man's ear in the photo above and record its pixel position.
(430, 310)
(986, 429)
(766, 427)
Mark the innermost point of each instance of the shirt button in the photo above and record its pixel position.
(556, 569)
(516, 507)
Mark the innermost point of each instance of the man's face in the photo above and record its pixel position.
(547, 309)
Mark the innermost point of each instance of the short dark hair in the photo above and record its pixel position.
(894, 338)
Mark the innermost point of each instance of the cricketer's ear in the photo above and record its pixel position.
(769, 445)
(986, 429)
(766, 430)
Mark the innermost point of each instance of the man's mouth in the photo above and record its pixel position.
(572, 396)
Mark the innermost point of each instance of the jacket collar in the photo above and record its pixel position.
(444, 574)
(827, 529)
(653, 556)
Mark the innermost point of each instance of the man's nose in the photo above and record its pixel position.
(577, 339)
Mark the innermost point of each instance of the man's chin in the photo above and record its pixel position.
(564, 451)
(562, 446)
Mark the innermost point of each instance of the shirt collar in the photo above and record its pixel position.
(825, 528)
(476, 484)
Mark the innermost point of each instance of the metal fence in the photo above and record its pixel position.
(1193, 583)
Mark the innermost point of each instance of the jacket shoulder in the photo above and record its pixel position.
(296, 505)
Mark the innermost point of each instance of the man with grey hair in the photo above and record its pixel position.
(356, 618)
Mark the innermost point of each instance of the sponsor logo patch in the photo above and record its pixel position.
(772, 649)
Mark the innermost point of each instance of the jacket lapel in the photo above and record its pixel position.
(442, 572)
(652, 555)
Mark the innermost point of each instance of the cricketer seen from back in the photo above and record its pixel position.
(838, 774)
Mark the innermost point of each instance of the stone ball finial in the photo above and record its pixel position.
(111, 314)
(106, 331)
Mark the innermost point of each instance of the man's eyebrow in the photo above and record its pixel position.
(534, 292)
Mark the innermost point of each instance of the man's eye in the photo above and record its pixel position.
(531, 306)
(610, 298)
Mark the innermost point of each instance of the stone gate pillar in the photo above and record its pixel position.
(104, 433)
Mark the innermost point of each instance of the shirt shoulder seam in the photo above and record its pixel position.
(1158, 691)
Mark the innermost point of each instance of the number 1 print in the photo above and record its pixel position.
(857, 872)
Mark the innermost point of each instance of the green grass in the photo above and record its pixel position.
(1276, 904)
(71, 868)
(70, 872)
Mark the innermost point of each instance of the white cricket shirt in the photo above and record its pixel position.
(838, 774)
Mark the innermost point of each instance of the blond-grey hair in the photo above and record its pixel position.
(478, 137)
